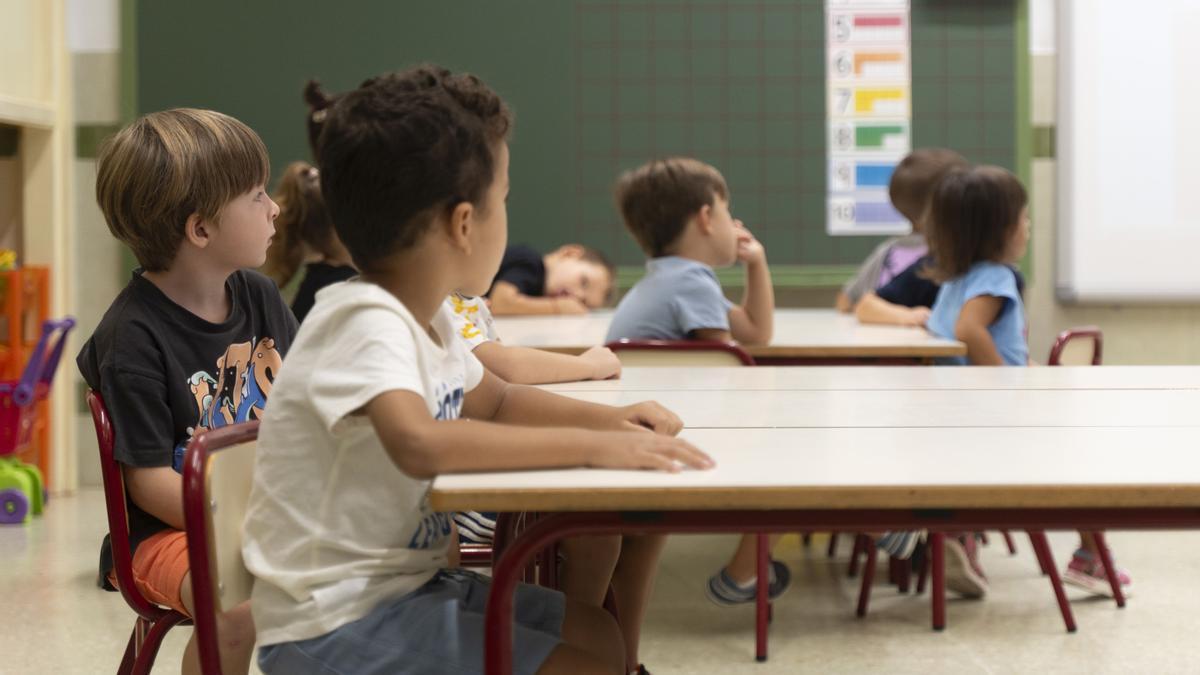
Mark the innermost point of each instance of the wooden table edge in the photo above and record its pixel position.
(825, 351)
(770, 498)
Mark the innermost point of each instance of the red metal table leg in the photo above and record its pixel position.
(761, 600)
(937, 549)
(1008, 541)
(868, 578)
(1041, 542)
(1114, 579)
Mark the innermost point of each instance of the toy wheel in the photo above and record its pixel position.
(13, 506)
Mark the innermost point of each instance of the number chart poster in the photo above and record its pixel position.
(869, 85)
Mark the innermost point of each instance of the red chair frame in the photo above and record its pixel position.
(733, 348)
(1056, 352)
(762, 603)
(153, 621)
(195, 518)
(1060, 344)
(1041, 545)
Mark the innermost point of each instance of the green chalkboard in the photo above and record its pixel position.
(599, 87)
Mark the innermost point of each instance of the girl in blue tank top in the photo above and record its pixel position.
(978, 230)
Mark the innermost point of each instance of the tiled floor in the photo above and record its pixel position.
(56, 621)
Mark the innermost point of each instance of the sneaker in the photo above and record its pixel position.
(899, 545)
(963, 572)
(723, 590)
(1087, 572)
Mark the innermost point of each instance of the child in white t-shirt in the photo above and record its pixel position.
(349, 559)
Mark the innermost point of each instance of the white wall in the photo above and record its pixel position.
(1134, 334)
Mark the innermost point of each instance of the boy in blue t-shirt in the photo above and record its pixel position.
(678, 211)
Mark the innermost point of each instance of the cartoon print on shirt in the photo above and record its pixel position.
(245, 374)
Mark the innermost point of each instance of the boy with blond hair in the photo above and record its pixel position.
(194, 340)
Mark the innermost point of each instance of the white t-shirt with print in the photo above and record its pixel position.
(472, 320)
(333, 527)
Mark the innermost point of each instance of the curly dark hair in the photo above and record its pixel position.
(402, 148)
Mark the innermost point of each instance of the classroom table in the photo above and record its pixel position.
(1083, 463)
(802, 336)
(834, 378)
(971, 408)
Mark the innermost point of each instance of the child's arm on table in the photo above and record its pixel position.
(874, 309)
(423, 447)
(523, 365)
(972, 329)
(507, 299)
(753, 321)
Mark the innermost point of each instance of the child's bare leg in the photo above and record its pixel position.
(591, 643)
(235, 636)
(743, 567)
(633, 583)
(1088, 543)
(588, 567)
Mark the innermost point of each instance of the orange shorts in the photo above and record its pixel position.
(160, 565)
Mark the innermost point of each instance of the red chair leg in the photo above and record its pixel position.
(131, 648)
(1114, 579)
(903, 575)
(833, 542)
(983, 538)
(1041, 559)
(1008, 541)
(937, 549)
(549, 573)
(806, 539)
(761, 601)
(153, 640)
(923, 576)
(1040, 542)
(868, 578)
(861, 542)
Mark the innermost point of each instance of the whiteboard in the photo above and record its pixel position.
(1128, 151)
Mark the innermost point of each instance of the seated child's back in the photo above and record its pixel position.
(979, 230)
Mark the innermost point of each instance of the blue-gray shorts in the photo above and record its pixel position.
(437, 628)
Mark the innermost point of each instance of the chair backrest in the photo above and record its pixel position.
(695, 353)
(218, 471)
(118, 513)
(1063, 353)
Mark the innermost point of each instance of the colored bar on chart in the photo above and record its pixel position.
(875, 21)
(879, 64)
(879, 28)
(873, 175)
(879, 137)
(878, 213)
(880, 101)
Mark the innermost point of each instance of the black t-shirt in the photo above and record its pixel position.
(911, 289)
(164, 372)
(318, 275)
(524, 268)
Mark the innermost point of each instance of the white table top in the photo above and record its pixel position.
(920, 408)
(827, 378)
(798, 333)
(1017, 467)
